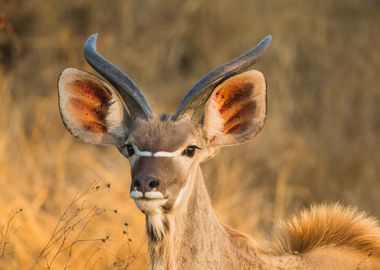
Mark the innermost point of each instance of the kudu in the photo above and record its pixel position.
(226, 107)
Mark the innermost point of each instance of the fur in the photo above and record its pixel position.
(322, 237)
(150, 206)
(328, 226)
(135, 194)
(157, 225)
(154, 195)
(192, 237)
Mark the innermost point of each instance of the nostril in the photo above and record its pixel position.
(137, 184)
(153, 183)
(145, 183)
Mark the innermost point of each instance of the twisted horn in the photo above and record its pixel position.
(131, 94)
(192, 104)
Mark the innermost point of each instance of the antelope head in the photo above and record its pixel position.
(226, 107)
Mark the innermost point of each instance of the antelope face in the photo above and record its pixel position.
(226, 107)
(163, 155)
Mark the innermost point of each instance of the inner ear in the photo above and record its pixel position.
(236, 109)
(91, 109)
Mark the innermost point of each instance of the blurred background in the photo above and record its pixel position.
(64, 204)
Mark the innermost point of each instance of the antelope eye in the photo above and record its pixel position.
(190, 151)
(130, 149)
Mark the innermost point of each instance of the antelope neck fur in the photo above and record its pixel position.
(196, 239)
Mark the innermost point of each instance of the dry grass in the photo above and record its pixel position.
(321, 141)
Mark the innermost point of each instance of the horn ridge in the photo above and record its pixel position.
(129, 91)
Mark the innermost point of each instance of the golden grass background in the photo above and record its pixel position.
(320, 143)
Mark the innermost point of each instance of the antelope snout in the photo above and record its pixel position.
(145, 183)
(145, 187)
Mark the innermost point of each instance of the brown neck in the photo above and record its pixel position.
(196, 239)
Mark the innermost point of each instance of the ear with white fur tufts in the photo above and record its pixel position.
(91, 109)
(236, 109)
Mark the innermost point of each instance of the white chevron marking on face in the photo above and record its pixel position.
(140, 153)
(167, 154)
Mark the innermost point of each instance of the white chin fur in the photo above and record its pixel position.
(156, 225)
(150, 206)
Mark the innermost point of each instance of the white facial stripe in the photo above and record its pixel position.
(154, 195)
(167, 154)
(180, 196)
(183, 190)
(140, 153)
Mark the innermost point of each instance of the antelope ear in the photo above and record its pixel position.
(90, 108)
(236, 109)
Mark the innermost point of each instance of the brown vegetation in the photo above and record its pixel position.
(321, 141)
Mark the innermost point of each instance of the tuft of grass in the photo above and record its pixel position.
(6, 230)
(70, 235)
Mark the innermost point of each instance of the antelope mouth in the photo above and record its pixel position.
(149, 201)
(150, 206)
(148, 196)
